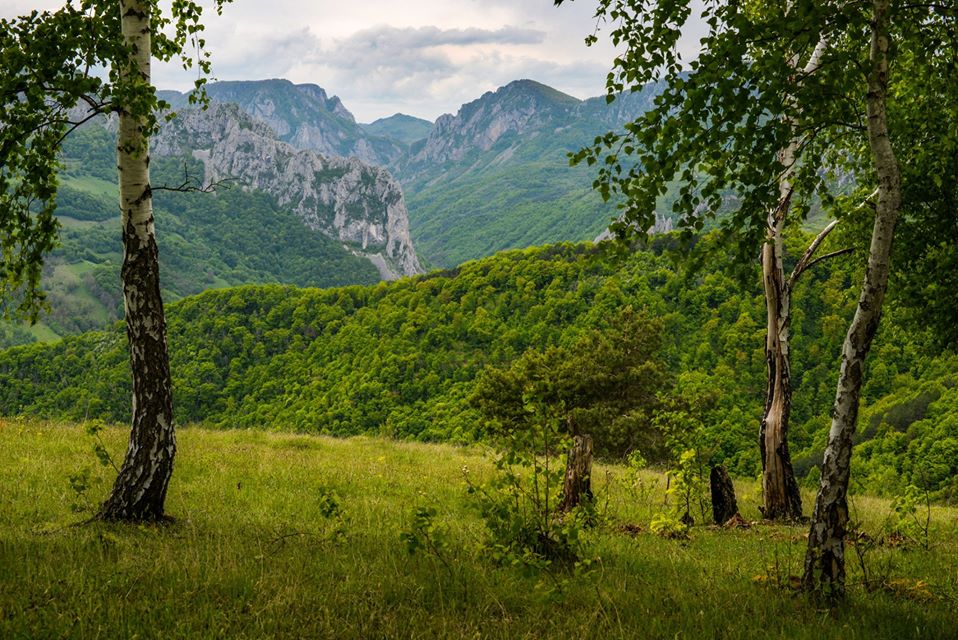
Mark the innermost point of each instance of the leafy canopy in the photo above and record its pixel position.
(721, 119)
(59, 69)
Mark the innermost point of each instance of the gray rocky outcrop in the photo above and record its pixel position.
(344, 198)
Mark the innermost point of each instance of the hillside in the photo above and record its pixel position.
(401, 359)
(405, 129)
(206, 240)
(286, 536)
(497, 176)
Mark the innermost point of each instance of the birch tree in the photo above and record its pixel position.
(719, 120)
(923, 33)
(731, 135)
(48, 62)
(780, 493)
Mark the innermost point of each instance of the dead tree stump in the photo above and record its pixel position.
(724, 506)
(577, 487)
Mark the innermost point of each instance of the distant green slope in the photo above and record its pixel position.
(400, 358)
(518, 194)
(496, 175)
(224, 239)
(406, 129)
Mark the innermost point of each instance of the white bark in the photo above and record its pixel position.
(825, 558)
(139, 492)
(781, 497)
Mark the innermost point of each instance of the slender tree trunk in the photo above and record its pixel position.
(825, 558)
(781, 496)
(139, 492)
(780, 492)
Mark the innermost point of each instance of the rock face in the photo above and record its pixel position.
(494, 175)
(304, 116)
(344, 198)
(520, 107)
(663, 224)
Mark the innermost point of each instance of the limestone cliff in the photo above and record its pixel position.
(344, 198)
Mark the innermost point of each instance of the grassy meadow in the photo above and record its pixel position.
(288, 536)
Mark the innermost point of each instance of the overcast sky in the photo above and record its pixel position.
(421, 57)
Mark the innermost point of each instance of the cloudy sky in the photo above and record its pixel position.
(421, 57)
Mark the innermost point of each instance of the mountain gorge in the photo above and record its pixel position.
(493, 176)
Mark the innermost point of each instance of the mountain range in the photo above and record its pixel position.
(331, 192)
(493, 176)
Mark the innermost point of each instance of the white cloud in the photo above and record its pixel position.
(423, 57)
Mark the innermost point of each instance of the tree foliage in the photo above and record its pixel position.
(402, 359)
(60, 69)
(607, 384)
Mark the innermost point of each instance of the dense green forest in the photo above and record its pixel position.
(402, 359)
(230, 237)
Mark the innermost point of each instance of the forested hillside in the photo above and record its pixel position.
(496, 175)
(402, 359)
(232, 237)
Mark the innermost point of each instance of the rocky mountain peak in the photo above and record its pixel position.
(303, 115)
(344, 198)
(514, 109)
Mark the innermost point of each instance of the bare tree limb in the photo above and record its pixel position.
(803, 262)
(190, 185)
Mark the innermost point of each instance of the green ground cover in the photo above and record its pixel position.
(279, 535)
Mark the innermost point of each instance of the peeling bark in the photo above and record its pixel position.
(781, 497)
(780, 493)
(139, 492)
(825, 557)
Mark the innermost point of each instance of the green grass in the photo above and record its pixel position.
(95, 186)
(43, 333)
(251, 555)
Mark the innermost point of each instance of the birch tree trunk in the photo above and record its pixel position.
(780, 492)
(825, 557)
(139, 492)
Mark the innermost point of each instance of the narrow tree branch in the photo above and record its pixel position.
(807, 256)
(189, 185)
(815, 60)
(833, 254)
(76, 125)
(868, 201)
